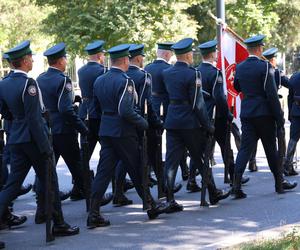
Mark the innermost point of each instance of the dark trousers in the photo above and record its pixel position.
(220, 137)
(263, 128)
(67, 146)
(23, 156)
(295, 128)
(113, 150)
(178, 140)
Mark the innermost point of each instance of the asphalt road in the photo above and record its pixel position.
(228, 223)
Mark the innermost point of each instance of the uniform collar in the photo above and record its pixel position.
(178, 63)
(207, 62)
(253, 56)
(161, 59)
(114, 68)
(20, 71)
(134, 66)
(54, 69)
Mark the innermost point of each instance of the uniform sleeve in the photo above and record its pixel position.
(126, 106)
(33, 116)
(65, 107)
(284, 80)
(219, 96)
(95, 101)
(197, 100)
(271, 92)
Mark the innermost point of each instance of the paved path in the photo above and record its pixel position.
(224, 225)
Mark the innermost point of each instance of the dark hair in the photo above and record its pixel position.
(116, 60)
(52, 61)
(17, 63)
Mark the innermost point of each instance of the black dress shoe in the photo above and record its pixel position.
(286, 185)
(121, 200)
(244, 180)
(177, 187)
(238, 194)
(64, 195)
(106, 199)
(76, 195)
(173, 207)
(252, 166)
(128, 185)
(14, 220)
(25, 189)
(192, 187)
(2, 245)
(152, 181)
(219, 195)
(156, 210)
(96, 220)
(64, 230)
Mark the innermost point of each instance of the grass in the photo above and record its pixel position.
(290, 241)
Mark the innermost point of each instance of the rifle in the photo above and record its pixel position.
(205, 170)
(159, 166)
(1, 151)
(87, 173)
(144, 160)
(49, 193)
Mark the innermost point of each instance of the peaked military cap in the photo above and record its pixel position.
(208, 47)
(136, 50)
(270, 53)
(119, 51)
(20, 50)
(183, 46)
(255, 41)
(95, 47)
(165, 45)
(55, 52)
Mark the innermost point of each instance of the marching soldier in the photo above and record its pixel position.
(57, 92)
(7, 126)
(294, 117)
(261, 114)
(87, 76)
(116, 98)
(281, 80)
(160, 97)
(21, 102)
(213, 93)
(187, 122)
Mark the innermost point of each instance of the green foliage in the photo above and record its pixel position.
(19, 20)
(119, 21)
(277, 19)
(289, 242)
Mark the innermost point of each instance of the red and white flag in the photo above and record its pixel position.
(232, 52)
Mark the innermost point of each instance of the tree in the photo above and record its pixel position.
(79, 22)
(20, 20)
